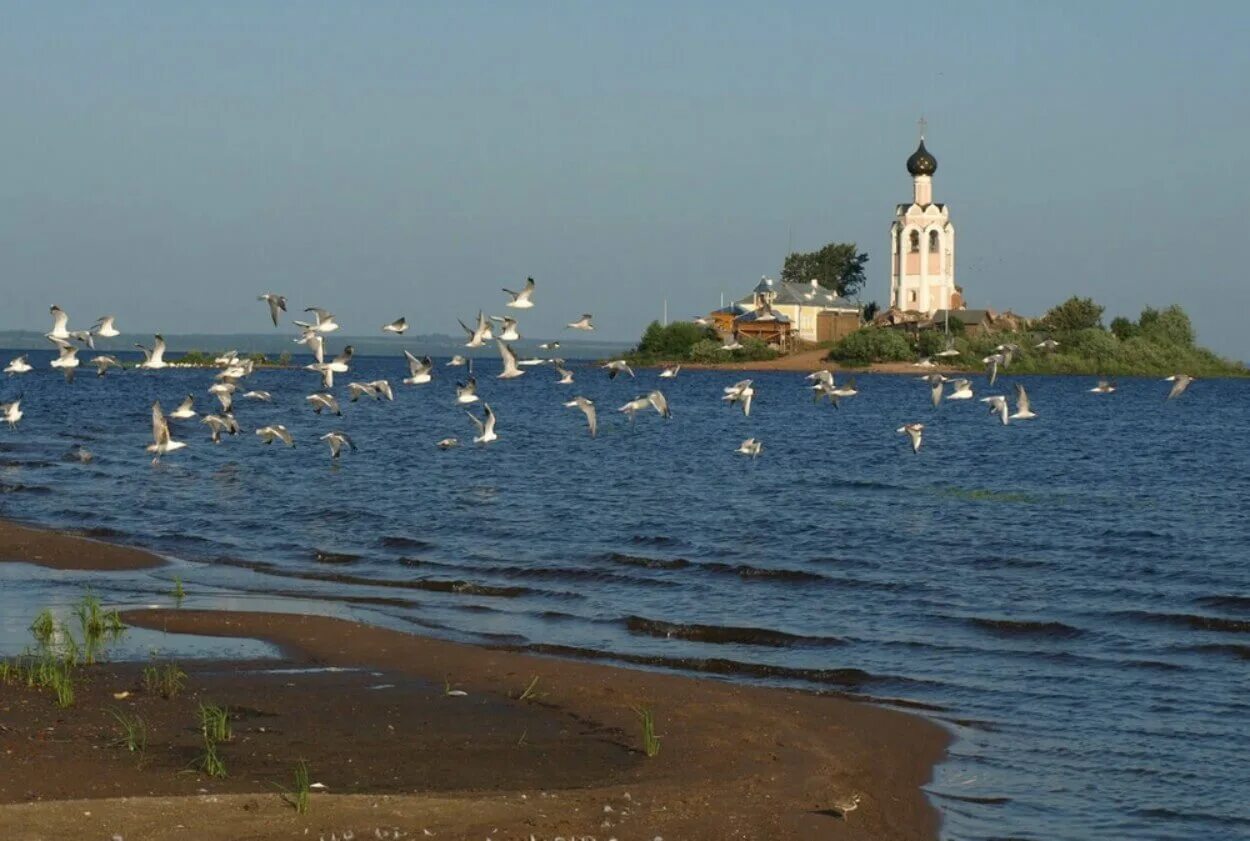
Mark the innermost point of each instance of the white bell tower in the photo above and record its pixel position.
(922, 244)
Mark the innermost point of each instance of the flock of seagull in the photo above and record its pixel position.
(500, 329)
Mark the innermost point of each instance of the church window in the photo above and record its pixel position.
(913, 296)
(915, 240)
(933, 242)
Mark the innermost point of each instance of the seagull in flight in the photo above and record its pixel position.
(937, 383)
(588, 409)
(485, 427)
(750, 447)
(731, 344)
(741, 393)
(67, 361)
(1023, 412)
(510, 369)
(60, 323)
(1104, 387)
(583, 323)
(103, 362)
(480, 335)
(1047, 345)
(617, 366)
(448, 443)
(398, 326)
(263, 396)
(998, 405)
(1179, 382)
(960, 390)
(670, 372)
(991, 365)
(521, 300)
(154, 359)
(105, 327)
(217, 424)
(11, 413)
(509, 333)
(185, 410)
(456, 361)
(420, 371)
(915, 431)
(633, 407)
(323, 321)
(268, 434)
(162, 443)
(549, 346)
(337, 440)
(566, 376)
(275, 302)
(18, 366)
(324, 401)
(467, 392)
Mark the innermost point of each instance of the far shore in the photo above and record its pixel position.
(423, 735)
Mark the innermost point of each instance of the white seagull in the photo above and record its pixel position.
(670, 372)
(1023, 412)
(275, 302)
(731, 344)
(915, 431)
(588, 409)
(509, 333)
(263, 396)
(184, 410)
(456, 361)
(12, 412)
(566, 376)
(321, 402)
(106, 328)
(583, 323)
(323, 321)
(521, 300)
(960, 390)
(268, 434)
(217, 424)
(103, 362)
(549, 346)
(750, 447)
(154, 359)
(741, 393)
(617, 366)
(60, 323)
(467, 392)
(1104, 387)
(162, 443)
(510, 369)
(485, 428)
(998, 405)
(336, 440)
(480, 335)
(398, 326)
(420, 371)
(448, 443)
(1179, 382)
(67, 361)
(19, 366)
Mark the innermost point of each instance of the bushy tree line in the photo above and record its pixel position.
(685, 341)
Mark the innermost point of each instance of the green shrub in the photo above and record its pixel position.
(1124, 328)
(1170, 326)
(673, 341)
(1074, 314)
(931, 342)
(752, 350)
(873, 344)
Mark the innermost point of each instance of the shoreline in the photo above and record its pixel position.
(736, 760)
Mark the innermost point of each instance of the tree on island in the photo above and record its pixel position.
(837, 266)
(1074, 314)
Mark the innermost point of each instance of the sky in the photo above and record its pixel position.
(167, 162)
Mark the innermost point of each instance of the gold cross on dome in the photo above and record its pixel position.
(923, 124)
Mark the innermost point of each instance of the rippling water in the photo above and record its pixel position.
(1070, 595)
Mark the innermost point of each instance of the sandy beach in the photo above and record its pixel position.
(419, 736)
(813, 360)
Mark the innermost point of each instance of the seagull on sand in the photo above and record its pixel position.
(566, 376)
(1104, 387)
(588, 409)
(670, 372)
(268, 434)
(998, 405)
(60, 323)
(420, 371)
(218, 424)
(521, 300)
(1179, 382)
(398, 326)
(750, 447)
(184, 410)
(448, 443)
(103, 362)
(485, 428)
(18, 366)
(616, 367)
(162, 443)
(960, 390)
(323, 321)
(67, 362)
(479, 335)
(105, 327)
(741, 393)
(154, 359)
(844, 806)
(467, 392)
(275, 302)
(324, 401)
(583, 323)
(915, 431)
(509, 333)
(336, 440)
(12, 412)
(1023, 412)
(510, 369)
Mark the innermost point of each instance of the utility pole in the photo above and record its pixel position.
(666, 312)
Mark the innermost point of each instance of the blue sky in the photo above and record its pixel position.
(167, 162)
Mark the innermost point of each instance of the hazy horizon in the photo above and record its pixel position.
(166, 163)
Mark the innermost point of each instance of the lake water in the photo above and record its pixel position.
(1070, 595)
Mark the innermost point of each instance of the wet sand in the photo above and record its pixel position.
(56, 550)
(396, 751)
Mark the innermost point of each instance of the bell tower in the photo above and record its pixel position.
(922, 244)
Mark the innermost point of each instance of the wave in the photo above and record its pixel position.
(1193, 621)
(723, 634)
(655, 540)
(397, 542)
(337, 558)
(1223, 602)
(16, 488)
(648, 563)
(1023, 627)
(1241, 652)
(963, 798)
(744, 571)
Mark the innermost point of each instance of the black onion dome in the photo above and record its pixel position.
(921, 162)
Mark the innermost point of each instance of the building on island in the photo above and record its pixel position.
(781, 313)
(922, 246)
